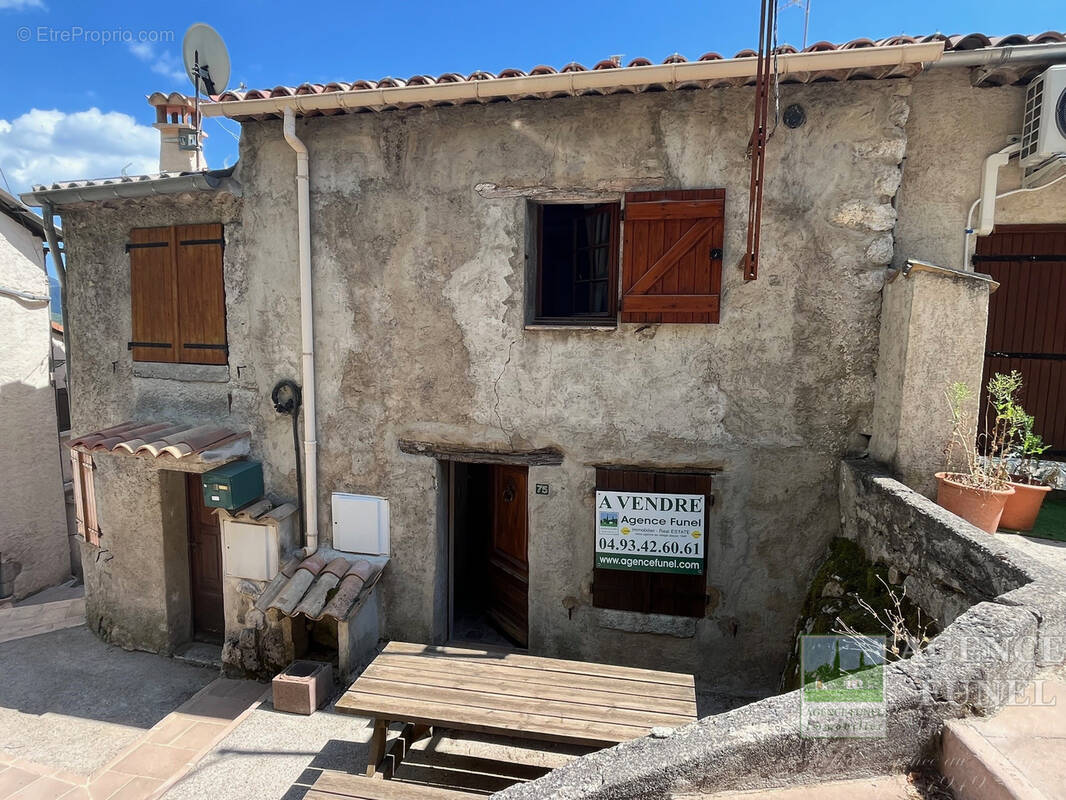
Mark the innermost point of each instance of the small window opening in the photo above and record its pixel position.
(578, 259)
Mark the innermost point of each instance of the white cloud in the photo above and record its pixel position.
(43, 146)
(19, 5)
(163, 63)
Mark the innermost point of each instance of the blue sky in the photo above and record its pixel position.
(76, 109)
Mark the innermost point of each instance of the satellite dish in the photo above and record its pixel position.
(206, 59)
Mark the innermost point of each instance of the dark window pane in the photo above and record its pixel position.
(576, 248)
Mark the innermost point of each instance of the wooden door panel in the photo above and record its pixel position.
(508, 563)
(1026, 329)
(205, 563)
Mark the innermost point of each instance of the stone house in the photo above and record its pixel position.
(523, 292)
(34, 552)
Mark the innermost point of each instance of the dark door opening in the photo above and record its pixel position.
(1025, 320)
(489, 564)
(205, 565)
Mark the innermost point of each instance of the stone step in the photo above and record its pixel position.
(200, 654)
(1018, 754)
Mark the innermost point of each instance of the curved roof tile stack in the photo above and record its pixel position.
(157, 439)
(956, 42)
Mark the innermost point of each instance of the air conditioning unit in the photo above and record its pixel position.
(1044, 122)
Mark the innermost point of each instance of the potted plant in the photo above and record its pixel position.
(1023, 507)
(976, 490)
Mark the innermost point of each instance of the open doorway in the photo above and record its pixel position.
(489, 575)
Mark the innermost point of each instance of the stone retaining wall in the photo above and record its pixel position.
(1015, 622)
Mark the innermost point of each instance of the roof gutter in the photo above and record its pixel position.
(1051, 52)
(671, 75)
(219, 180)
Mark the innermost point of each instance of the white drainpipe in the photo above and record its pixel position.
(307, 333)
(987, 200)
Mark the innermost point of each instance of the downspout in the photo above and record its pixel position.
(48, 214)
(307, 333)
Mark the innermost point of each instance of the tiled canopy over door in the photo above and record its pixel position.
(672, 256)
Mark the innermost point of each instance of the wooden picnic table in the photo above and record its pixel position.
(511, 694)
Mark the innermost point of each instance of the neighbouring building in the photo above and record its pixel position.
(526, 302)
(34, 552)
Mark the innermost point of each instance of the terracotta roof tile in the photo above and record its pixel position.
(954, 42)
(327, 584)
(157, 439)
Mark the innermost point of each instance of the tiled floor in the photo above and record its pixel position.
(59, 607)
(153, 763)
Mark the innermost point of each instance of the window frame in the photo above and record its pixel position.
(173, 239)
(606, 319)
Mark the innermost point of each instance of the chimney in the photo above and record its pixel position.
(175, 119)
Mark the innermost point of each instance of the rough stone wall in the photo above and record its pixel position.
(137, 579)
(420, 309)
(950, 564)
(33, 527)
(951, 129)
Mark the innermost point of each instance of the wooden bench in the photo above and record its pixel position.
(334, 785)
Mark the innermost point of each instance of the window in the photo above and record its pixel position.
(651, 592)
(176, 294)
(578, 263)
(84, 496)
(672, 256)
(671, 259)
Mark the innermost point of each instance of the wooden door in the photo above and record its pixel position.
(205, 564)
(1027, 320)
(508, 561)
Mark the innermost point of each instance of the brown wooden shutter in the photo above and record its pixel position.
(201, 295)
(153, 295)
(651, 592)
(79, 497)
(672, 256)
(84, 496)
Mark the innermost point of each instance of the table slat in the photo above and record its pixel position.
(537, 662)
(525, 705)
(546, 691)
(524, 725)
(507, 671)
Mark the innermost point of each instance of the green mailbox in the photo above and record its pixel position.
(234, 485)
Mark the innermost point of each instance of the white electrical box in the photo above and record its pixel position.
(251, 550)
(360, 524)
(255, 538)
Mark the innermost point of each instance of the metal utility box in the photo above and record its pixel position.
(234, 485)
(255, 538)
(360, 524)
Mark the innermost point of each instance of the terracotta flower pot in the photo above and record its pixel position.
(1023, 507)
(980, 507)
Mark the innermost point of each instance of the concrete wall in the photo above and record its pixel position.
(33, 528)
(924, 348)
(951, 129)
(137, 580)
(419, 292)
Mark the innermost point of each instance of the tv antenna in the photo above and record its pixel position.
(207, 65)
